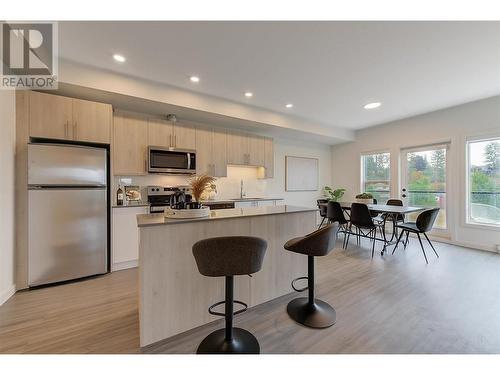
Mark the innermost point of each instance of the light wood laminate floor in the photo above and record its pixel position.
(394, 304)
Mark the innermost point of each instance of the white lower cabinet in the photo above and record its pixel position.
(266, 203)
(241, 204)
(125, 237)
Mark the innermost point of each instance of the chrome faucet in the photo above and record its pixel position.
(242, 195)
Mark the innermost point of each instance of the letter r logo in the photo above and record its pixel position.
(27, 49)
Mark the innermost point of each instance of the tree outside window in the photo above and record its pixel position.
(484, 182)
(376, 177)
(427, 181)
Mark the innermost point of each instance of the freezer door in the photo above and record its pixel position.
(67, 234)
(50, 164)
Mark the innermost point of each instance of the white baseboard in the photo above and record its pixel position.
(7, 293)
(475, 246)
(124, 265)
(450, 241)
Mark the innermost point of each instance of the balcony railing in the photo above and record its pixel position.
(484, 207)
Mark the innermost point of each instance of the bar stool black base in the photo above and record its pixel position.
(243, 342)
(317, 315)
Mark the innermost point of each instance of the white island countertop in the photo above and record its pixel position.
(230, 213)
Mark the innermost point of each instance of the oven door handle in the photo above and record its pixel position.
(189, 161)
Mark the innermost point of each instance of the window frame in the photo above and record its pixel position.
(484, 137)
(362, 169)
(447, 145)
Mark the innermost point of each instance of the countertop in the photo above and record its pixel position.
(208, 202)
(230, 213)
(142, 204)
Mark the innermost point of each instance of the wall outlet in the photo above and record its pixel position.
(498, 248)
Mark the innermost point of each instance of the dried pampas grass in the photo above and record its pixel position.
(199, 184)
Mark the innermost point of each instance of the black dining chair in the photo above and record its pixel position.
(322, 210)
(399, 203)
(423, 224)
(362, 220)
(374, 214)
(335, 214)
(400, 218)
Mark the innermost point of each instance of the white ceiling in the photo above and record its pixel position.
(328, 70)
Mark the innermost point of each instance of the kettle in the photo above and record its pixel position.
(178, 200)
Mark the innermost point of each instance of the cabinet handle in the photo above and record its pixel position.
(175, 141)
(66, 129)
(75, 129)
(170, 140)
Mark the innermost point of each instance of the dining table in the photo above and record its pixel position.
(388, 212)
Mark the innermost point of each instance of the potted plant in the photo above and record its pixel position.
(366, 198)
(334, 195)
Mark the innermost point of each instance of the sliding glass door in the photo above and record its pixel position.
(423, 180)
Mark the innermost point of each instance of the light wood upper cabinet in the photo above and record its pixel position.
(256, 150)
(211, 152)
(91, 121)
(247, 149)
(59, 117)
(184, 136)
(50, 116)
(204, 151)
(269, 158)
(160, 133)
(219, 156)
(163, 133)
(237, 148)
(130, 142)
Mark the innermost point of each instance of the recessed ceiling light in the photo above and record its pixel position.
(194, 79)
(119, 58)
(289, 105)
(248, 94)
(372, 105)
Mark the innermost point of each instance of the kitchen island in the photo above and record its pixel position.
(174, 297)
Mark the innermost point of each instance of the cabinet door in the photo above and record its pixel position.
(125, 236)
(184, 136)
(256, 150)
(237, 148)
(269, 157)
(130, 140)
(219, 156)
(266, 203)
(50, 116)
(243, 204)
(91, 121)
(160, 133)
(204, 151)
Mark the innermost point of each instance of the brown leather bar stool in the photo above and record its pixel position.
(310, 311)
(228, 257)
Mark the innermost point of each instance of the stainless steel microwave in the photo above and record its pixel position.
(171, 160)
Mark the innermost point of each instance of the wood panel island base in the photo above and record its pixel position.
(174, 297)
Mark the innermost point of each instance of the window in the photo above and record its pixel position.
(376, 175)
(483, 198)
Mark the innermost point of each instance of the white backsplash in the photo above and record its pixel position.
(227, 187)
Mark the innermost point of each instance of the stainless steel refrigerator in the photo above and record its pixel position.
(68, 212)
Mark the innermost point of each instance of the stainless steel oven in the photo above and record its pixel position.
(171, 160)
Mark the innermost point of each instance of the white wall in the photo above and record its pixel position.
(229, 187)
(452, 124)
(7, 154)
